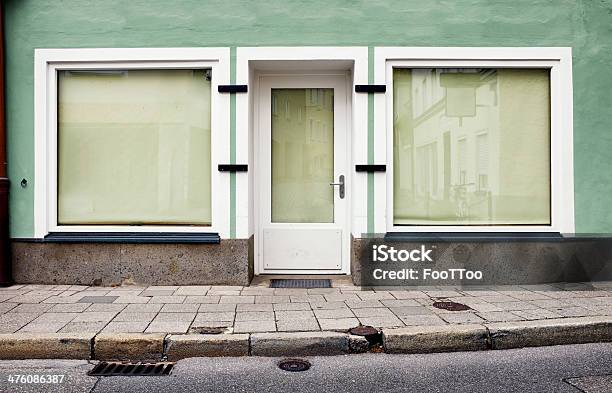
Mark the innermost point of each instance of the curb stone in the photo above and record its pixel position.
(426, 339)
(129, 346)
(505, 335)
(46, 345)
(201, 345)
(416, 339)
(299, 344)
(358, 344)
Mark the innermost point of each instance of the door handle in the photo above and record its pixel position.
(340, 184)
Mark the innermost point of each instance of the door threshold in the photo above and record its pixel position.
(337, 280)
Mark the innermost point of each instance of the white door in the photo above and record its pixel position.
(302, 174)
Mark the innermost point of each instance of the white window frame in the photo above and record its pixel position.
(558, 60)
(49, 61)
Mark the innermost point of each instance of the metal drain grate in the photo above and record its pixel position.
(112, 369)
(300, 283)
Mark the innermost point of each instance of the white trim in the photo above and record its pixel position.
(48, 61)
(247, 63)
(558, 60)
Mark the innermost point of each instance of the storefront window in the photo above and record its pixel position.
(471, 147)
(134, 147)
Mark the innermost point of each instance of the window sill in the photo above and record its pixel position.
(131, 237)
(474, 236)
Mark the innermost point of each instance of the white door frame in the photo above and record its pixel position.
(262, 194)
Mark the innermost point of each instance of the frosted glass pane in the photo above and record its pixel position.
(471, 146)
(134, 147)
(302, 155)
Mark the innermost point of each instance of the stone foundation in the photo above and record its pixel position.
(231, 262)
(507, 262)
(227, 263)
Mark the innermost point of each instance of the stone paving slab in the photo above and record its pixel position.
(125, 327)
(254, 326)
(66, 308)
(301, 325)
(338, 324)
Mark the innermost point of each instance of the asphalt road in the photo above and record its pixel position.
(546, 369)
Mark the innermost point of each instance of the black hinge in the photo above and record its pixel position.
(233, 88)
(371, 168)
(233, 167)
(370, 88)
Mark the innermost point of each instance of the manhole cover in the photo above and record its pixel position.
(451, 306)
(110, 369)
(207, 330)
(294, 365)
(371, 334)
(365, 331)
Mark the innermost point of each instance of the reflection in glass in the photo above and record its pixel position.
(134, 147)
(302, 155)
(471, 146)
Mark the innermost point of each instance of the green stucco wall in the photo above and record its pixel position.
(585, 25)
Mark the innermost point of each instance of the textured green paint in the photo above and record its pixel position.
(233, 144)
(585, 25)
(370, 221)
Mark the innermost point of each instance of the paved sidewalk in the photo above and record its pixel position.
(184, 309)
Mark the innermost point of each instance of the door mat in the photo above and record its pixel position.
(299, 283)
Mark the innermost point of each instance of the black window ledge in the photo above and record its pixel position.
(473, 237)
(130, 237)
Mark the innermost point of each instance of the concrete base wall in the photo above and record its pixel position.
(227, 263)
(503, 262)
(357, 246)
(231, 262)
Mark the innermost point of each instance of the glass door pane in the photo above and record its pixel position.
(302, 155)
